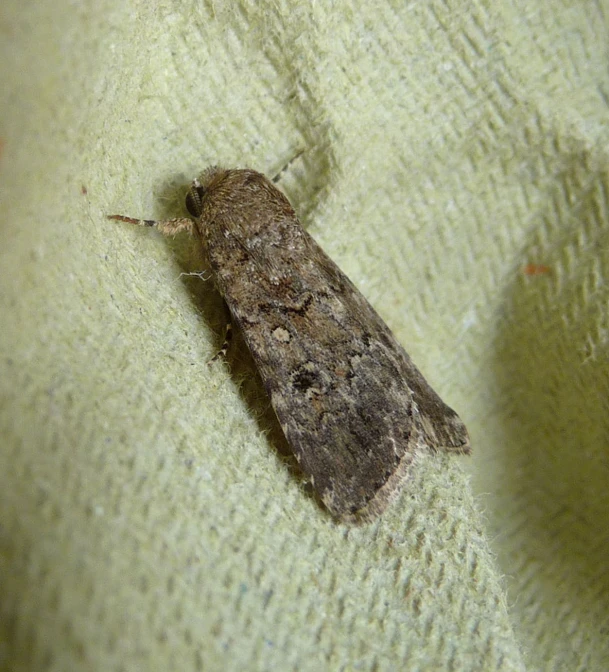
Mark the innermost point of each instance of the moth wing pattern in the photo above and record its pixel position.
(353, 406)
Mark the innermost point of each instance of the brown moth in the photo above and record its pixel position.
(353, 407)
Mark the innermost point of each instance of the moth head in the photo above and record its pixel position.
(194, 198)
(199, 188)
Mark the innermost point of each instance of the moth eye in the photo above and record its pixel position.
(194, 200)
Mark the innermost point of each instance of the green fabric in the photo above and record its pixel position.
(148, 517)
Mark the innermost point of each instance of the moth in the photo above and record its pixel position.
(354, 408)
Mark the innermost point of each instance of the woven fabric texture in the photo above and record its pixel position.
(452, 158)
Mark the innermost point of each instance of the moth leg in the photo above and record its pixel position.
(168, 227)
(228, 335)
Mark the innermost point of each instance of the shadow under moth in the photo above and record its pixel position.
(354, 408)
